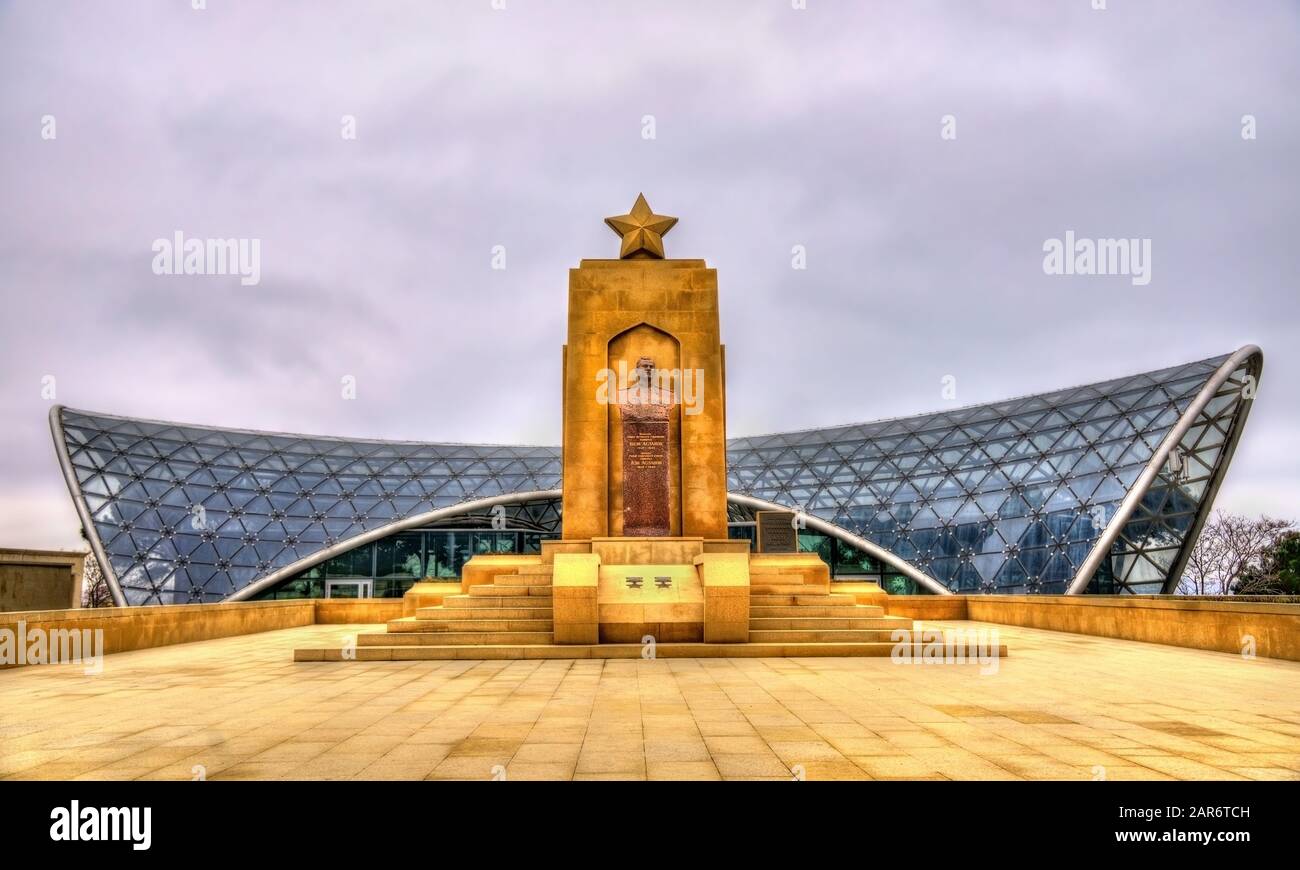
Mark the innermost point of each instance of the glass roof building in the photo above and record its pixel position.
(1100, 488)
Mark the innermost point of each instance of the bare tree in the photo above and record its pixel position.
(1230, 546)
(94, 588)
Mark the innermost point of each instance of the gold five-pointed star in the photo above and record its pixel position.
(642, 230)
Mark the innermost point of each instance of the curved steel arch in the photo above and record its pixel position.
(874, 550)
(375, 534)
(314, 559)
(83, 509)
(1138, 491)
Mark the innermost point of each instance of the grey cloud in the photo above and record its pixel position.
(775, 127)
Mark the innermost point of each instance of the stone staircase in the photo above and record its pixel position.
(514, 609)
(512, 617)
(784, 609)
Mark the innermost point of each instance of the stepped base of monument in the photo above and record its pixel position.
(610, 651)
(619, 598)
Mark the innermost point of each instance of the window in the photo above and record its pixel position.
(743, 532)
(816, 542)
(850, 560)
(448, 553)
(399, 556)
(302, 587)
(392, 587)
(354, 563)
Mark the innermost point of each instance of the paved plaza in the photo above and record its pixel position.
(1062, 706)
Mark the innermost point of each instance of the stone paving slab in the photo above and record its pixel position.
(1063, 707)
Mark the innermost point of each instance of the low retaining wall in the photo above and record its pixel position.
(131, 628)
(341, 611)
(922, 607)
(1225, 625)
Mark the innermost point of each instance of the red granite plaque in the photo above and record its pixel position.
(645, 476)
(645, 455)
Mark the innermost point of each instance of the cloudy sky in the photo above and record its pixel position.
(523, 127)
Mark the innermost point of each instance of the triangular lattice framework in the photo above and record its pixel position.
(1011, 497)
(1006, 497)
(192, 514)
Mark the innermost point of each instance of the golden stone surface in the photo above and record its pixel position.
(1059, 708)
(620, 311)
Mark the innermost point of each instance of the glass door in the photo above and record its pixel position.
(347, 589)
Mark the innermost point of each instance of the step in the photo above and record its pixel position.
(843, 610)
(762, 600)
(597, 651)
(829, 636)
(484, 600)
(770, 576)
(493, 590)
(471, 625)
(467, 614)
(453, 638)
(522, 579)
(805, 623)
(475, 601)
(787, 589)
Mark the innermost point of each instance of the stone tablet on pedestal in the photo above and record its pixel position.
(645, 458)
(776, 532)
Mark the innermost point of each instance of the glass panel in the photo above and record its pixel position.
(392, 588)
(345, 590)
(816, 542)
(398, 556)
(744, 533)
(487, 543)
(851, 560)
(300, 587)
(354, 563)
(898, 584)
(448, 553)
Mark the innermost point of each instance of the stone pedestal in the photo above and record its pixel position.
(674, 589)
(620, 312)
(725, 580)
(574, 585)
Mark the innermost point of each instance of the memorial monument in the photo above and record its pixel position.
(621, 312)
(644, 560)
